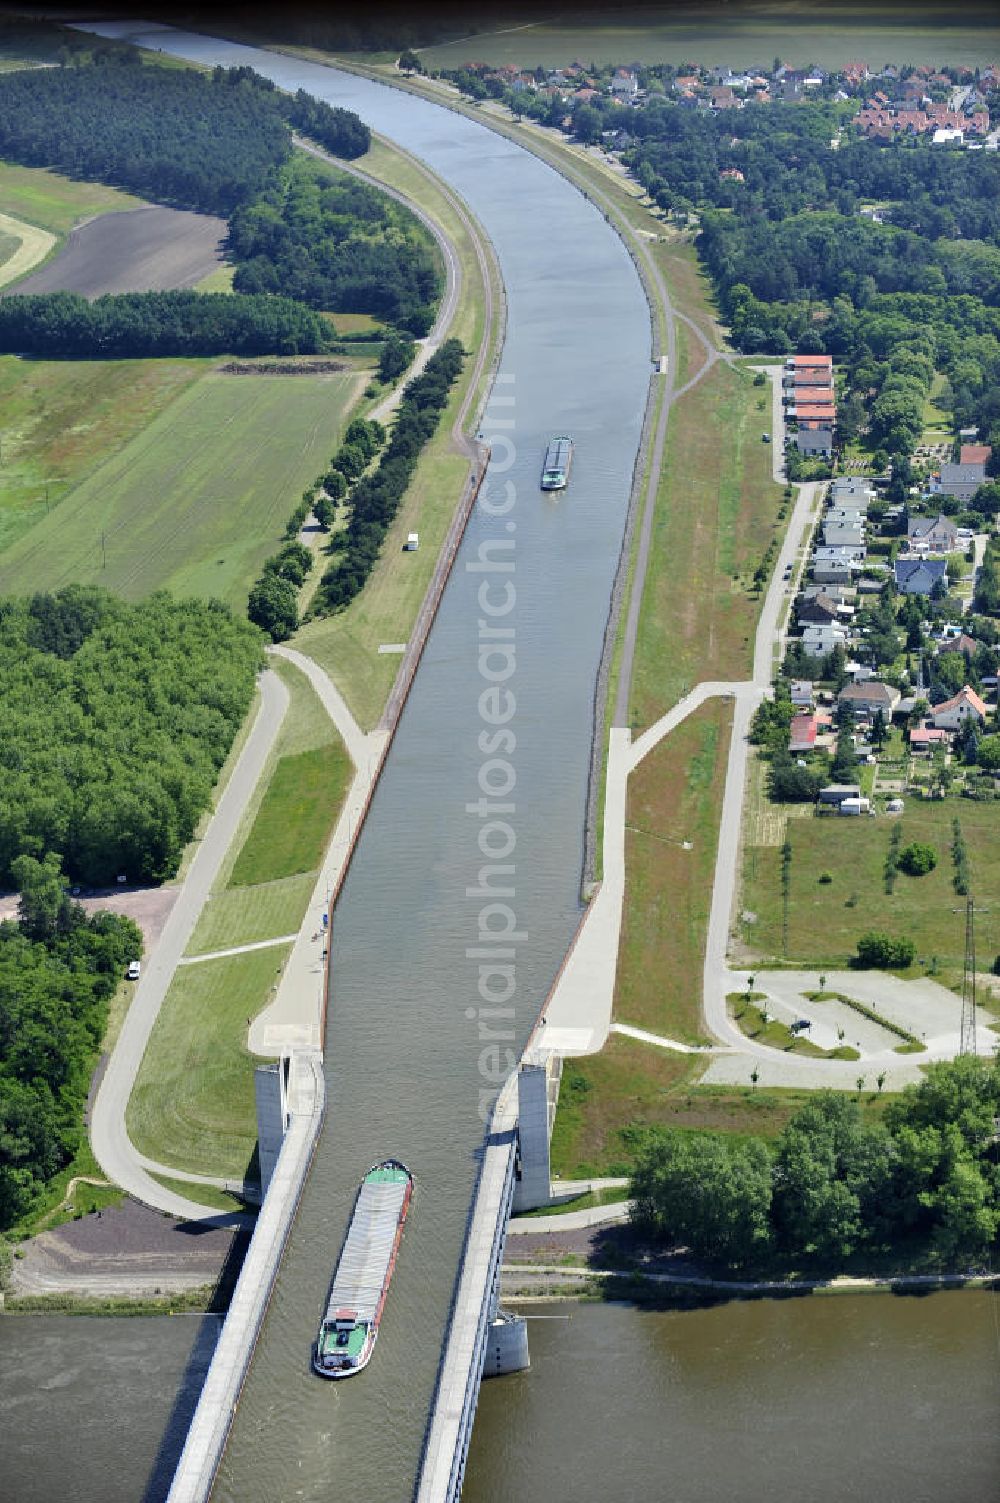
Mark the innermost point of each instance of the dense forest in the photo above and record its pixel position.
(375, 498)
(922, 1181)
(199, 141)
(305, 240)
(63, 325)
(336, 244)
(797, 267)
(58, 970)
(117, 719)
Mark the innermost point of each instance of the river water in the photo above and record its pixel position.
(798, 1401)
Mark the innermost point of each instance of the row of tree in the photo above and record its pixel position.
(919, 1182)
(375, 498)
(58, 970)
(117, 719)
(129, 325)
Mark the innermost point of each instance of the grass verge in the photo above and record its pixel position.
(346, 644)
(290, 832)
(674, 796)
(202, 1195)
(193, 1101)
(607, 1099)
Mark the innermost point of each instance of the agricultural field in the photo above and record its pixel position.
(198, 499)
(57, 203)
(61, 419)
(824, 35)
(825, 918)
(152, 249)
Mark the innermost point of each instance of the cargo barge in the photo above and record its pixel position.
(555, 470)
(349, 1329)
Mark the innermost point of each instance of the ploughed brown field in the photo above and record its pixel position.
(153, 249)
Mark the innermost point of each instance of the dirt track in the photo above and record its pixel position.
(144, 250)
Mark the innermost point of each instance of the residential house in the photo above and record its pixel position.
(959, 480)
(851, 488)
(923, 738)
(801, 691)
(844, 535)
(845, 553)
(723, 98)
(835, 793)
(865, 698)
(818, 609)
(932, 534)
(815, 443)
(834, 571)
(974, 454)
(963, 706)
(821, 637)
(802, 734)
(963, 643)
(624, 86)
(919, 576)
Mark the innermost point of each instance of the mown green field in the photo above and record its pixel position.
(196, 501)
(825, 919)
(253, 899)
(826, 35)
(193, 1102)
(61, 419)
(54, 202)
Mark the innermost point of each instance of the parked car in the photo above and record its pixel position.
(134, 970)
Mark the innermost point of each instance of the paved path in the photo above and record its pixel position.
(257, 944)
(569, 1221)
(295, 1018)
(108, 1134)
(644, 1037)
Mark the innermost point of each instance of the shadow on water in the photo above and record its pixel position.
(175, 1431)
(193, 1377)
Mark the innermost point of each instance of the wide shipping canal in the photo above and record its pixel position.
(524, 613)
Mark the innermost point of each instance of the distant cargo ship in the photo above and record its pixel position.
(558, 458)
(349, 1328)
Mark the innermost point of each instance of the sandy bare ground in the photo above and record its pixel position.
(35, 246)
(143, 250)
(126, 1250)
(148, 906)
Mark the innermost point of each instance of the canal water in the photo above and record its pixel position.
(488, 770)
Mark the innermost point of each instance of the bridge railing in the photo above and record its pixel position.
(454, 1408)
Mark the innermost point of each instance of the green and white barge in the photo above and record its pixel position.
(555, 470)
(349, 1328)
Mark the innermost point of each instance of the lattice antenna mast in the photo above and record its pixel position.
(968, 1044)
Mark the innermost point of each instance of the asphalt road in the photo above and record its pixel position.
(109, 1137)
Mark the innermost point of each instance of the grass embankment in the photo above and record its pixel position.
(608, 1098)
(193, 1101)
(62, 419)
(203, 1195)
(674, 797)
(268, 875)
(825, 919)
(63, 1200)
(198, 499)
(346, 644)
(809, 36)
(716, 513)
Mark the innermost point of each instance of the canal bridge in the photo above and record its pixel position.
(473, 843)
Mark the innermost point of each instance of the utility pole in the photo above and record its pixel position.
(968, 1037)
